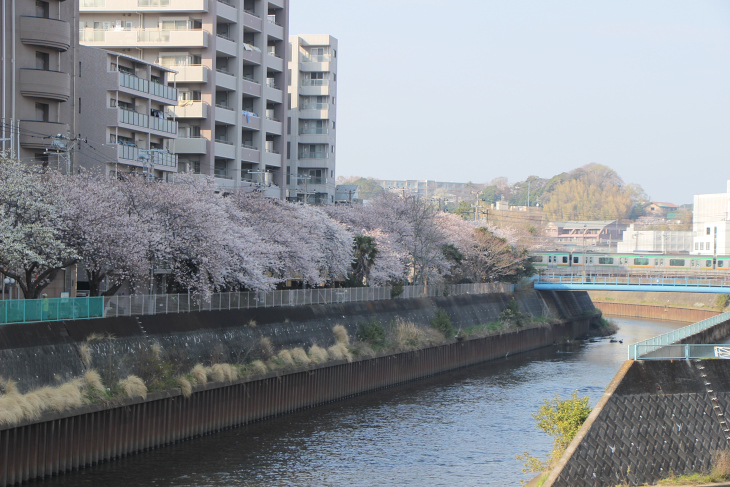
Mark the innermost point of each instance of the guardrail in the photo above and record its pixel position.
(689, 351)
(637, 351)
(57, 309)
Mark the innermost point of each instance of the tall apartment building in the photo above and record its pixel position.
(229, 55)
(312, 123)
(710, 224)
(39, 63)
(124, 113)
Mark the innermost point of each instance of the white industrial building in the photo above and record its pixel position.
(709, 224)
(654, 241)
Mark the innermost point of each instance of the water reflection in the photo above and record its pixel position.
(460, 428)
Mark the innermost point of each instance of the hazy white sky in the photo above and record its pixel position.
(476, 89)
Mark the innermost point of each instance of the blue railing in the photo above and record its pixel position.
(50, 309)
(679, 284)
(637, 351)
(685, 352)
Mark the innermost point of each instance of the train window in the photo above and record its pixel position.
(641, 261)
(708, 263)
(565, 259)
(536, 258)
(678, 263)
(590, 259)
(605, 260)
(576, 260)
(719, 263)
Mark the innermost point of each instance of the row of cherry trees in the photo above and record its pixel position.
(121, 229)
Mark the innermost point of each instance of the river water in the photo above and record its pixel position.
(461, 428)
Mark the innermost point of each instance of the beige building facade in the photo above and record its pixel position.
(312, 122)
(229, 57)
(39, 65)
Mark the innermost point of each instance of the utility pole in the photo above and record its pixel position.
(148, 164)
(262, 183)
(62, 146)
(306, 187)
(585, 227)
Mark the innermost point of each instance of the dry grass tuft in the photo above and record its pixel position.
(8, 386)
(318, 354)
(200, 374)
(405, 335)
(133, 386)
(93, 380)
(10, 410)
(185, 386)
(285, 356)
(300, 356)
(85, 354)
(222, 372)
(266, 348)
(341, 335)
(156, 350)
(252, 323)
(339, 351)
(95, 337)
(721, 464)
(66, 396)
(259, 367)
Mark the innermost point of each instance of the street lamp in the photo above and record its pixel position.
(8, 281)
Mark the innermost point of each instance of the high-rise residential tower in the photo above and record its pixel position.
(229, 55)
(312, 123)
(39, 62)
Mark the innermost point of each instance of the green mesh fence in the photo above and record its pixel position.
(50, 309)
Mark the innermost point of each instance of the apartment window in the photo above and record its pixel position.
(79, 69)
(333, 100)
(288, 125)
(317, 51)
(42, 62)
(41, 112)
(697, 246)
(333, 149)
(79, 105)
(288, 153)
(702, 245)
(708, 230)
(41, 9)
(317, 75)
(42, 158)
(334, 125)
(334, 77)
(334, 53)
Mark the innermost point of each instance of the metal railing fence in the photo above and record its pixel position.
(50, 309)
(638, 350)
(686, 352)
(588, 280)
(55, 309)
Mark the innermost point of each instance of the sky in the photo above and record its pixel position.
(479, 89)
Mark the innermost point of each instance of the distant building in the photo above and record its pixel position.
(711, 232)
(660, 209)
(126, 108)
(347, 193)
(588, 233)
(654, 241)
(422, 187)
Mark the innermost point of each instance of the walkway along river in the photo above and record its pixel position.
(459, 428)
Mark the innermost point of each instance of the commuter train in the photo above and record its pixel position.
(616, 263)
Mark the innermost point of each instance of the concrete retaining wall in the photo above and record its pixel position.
(67, 441)
(654, 312)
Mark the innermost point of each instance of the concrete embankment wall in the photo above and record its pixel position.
(656, 417)
(39, 354)
(655, 312)
(61, 442)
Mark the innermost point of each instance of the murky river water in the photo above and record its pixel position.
(462, 428)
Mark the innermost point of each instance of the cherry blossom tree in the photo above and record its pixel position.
(33, 246)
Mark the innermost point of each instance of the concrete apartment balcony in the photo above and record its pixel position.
(131, 155)
(317, 111)
(250, 121)
(252, 21)
(250, 154)
(29, 130)
(273, 126)
(272, 159)
(191, 145)
(226, 80)
(275, 63)
(310, 64)
(192, 109)
(139, 38)
(226, 45)
(252, 57)
(190, 74)
(227, 10)
(250, 87)
(143, 5)
(50, 33)
(225, 114)
(273, 29)
(273, 93)
(52, 85)
(315, 87)
(314, 136)
(225, 149)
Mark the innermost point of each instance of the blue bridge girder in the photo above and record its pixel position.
(577, 282)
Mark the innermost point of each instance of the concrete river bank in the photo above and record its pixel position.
(459, 428)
